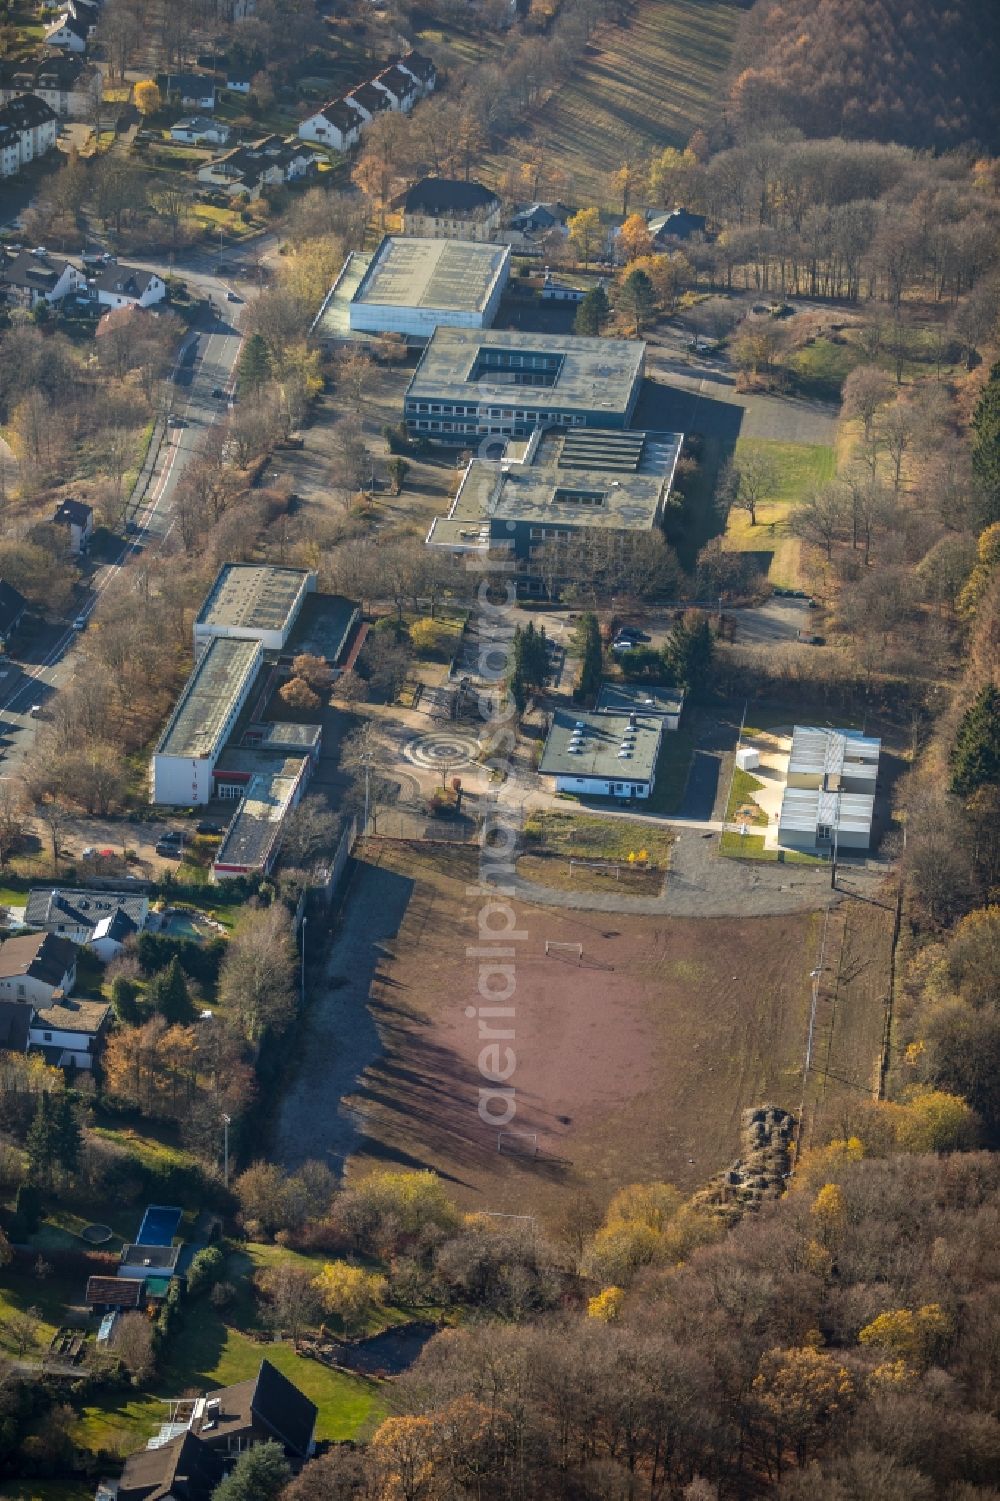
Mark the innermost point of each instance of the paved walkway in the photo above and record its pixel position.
(703, 883)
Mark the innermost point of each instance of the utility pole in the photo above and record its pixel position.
(226, 1123)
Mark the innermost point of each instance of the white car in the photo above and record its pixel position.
(80, 623)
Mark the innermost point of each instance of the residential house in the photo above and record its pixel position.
(371, 100)
(539, 218)
(247, 170)
(107, 1293)
(401, 87)
(126, 286)
(28, 130)
(267, 1408)
(67, 33)
(421, 69)
(68, 1031)
(78, 915)
(34, 276)
(78, 519)
(337, 125)
(237, 81)
(12, 607)
(556, 288)
(180, 1469)
(63, 81)
(111, 935)
(398, 86)
(446, 208)
(676, 224)
(140, 1261)
(197, 129)
(34, 966)
(191, 90)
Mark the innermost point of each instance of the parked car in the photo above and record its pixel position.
(808, 639)
(292, 441)
(218, 392)
(169, 851)
(207, 827)
(174, 421)
(233, 297)
(35, 712)
(170, 836)
(632, 633)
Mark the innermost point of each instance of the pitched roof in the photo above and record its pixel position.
(37, 273)
(72, 512)
(420, 66)
(70, 1015)
(448, 195)
(25, 112)
(12, 606)
(125, 281)
(68, 22)
(370, 98)
(43, 956)
(342, 113)
(182, 1467)
(398, 80)
(117, 927)
(200, 123)
(116, 1292)
(270, 1400)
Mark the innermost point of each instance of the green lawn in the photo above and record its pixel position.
(211, 1351)
(583, 837)
(742, 793)
(751, 847)
(819, 369)
(799, 468)
(20, 1290)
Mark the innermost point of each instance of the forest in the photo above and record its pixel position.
(884, 70)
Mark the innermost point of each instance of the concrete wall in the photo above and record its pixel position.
(182, 781)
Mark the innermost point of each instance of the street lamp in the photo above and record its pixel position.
(226, 1123)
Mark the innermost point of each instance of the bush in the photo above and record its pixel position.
(205, 1271)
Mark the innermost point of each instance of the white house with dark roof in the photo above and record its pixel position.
(127, 286)
(337, 125)
(28, 129)
(78, 519)
(68, 33)
(34, 276)
(195, 130)
(193, 90)
(77, 915)
(448, 208)
(34, 966)
(64, 81)
(398, 87)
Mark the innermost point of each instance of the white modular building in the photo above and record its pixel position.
(415, 285)
(829, 798)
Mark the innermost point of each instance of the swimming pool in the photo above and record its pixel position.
(181, 924)
(159, 1225)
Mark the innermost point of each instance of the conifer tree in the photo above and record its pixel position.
(975, 760)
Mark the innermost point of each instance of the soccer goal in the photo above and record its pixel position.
(518, 1143)
(555, 950)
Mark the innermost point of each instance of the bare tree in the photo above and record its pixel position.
(133, 1344)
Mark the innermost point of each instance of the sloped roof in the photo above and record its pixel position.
(270, 1400)
(116, 1292)
(72, 512)
(26, 111)
(448, 195)
(12, 606)
(14, 1019)
(43, 956)
(70, 1015)
(126, 281)
(183, 1466)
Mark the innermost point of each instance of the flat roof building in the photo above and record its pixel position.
(253, 602)
(252, 840)
(648, 699)
(829, 797)
(605, 755)
(558, 484)
(413, 286)
(471, 383)
(203, 717)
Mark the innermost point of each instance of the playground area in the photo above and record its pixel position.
(626, 1049)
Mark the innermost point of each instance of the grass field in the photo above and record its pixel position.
(567, 875)
(741, 795)
(637, 89)
(799, 468)
(577, 836)
(632, 1064)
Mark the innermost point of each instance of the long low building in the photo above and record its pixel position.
(472, 383)
(829, 798)
(205, 713)
(603, 755)
(253, 602)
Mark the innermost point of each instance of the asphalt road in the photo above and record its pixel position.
(53, 663)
